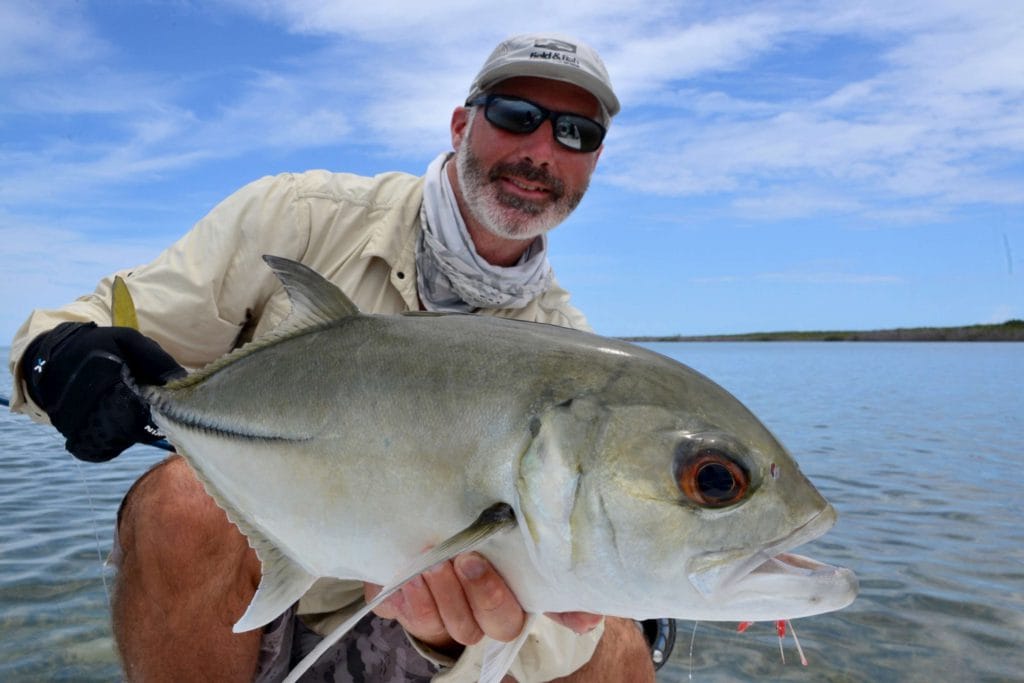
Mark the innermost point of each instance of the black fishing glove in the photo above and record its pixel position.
(74, 373)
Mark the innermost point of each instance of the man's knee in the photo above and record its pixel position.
(185, 575)
(168, 518)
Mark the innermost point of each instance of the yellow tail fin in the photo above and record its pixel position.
(122, 308)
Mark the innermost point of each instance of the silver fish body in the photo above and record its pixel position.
(346, 444)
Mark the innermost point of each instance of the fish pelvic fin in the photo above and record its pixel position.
(499, 657)
(495, 519)
(122, 306)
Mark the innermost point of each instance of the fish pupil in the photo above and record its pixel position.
(709, 476)
(715, 481)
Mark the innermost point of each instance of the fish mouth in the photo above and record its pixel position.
(723, 573)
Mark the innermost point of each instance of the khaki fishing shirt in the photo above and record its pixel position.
(211, 292)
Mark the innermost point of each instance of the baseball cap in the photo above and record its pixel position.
(548, 55)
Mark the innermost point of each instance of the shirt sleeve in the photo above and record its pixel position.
(197, 295)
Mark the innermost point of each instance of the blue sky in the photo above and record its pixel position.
(777, 165)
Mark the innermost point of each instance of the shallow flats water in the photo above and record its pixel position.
(919, 447)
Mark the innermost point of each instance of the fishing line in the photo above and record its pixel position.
(693, 637)
(83, 477)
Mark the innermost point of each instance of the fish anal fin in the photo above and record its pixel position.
(283, 580)
(282, 584)
(495, 519)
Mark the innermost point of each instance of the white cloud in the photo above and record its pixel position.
(37, 37)
(452, 26)
(148, 129)
(795, 202)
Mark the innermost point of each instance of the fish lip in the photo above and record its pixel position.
(714, 572)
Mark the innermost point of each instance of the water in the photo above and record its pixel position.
(919, 446)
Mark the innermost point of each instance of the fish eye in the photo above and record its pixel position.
(711, 478)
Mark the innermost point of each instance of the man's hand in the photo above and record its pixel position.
(460, 601)
(74, 373)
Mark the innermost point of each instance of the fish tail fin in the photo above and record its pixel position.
(498, 656)
(122, 306)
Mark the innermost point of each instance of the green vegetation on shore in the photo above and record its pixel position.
(1011, 330)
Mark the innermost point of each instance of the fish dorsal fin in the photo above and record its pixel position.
(491, 521)
(315, 300)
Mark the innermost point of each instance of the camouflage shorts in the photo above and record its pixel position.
(375, 651)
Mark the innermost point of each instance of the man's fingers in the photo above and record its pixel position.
(494, 607)
(457, 601)
(390, 608)
(452, 604)
(420, 614)
(580, 622)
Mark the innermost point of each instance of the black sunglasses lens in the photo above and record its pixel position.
(520, 116)
(515, 116)
(578, 132)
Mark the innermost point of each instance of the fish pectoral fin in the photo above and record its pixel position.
(498, 656)
(495, 519)
(282, 584)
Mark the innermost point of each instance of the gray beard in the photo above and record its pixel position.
(504, 214)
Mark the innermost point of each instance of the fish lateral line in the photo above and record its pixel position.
(160, 403)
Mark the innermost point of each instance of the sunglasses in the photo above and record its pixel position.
(516, 115)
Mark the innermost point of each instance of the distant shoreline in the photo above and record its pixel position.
(1010, 331)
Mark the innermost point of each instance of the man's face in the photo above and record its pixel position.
(519, 186)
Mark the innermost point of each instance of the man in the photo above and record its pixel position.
(469, 237)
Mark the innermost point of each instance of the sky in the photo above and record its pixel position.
(779, 165)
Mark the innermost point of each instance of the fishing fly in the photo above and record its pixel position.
(780, 631)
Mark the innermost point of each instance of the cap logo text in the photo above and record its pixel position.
(551, 56)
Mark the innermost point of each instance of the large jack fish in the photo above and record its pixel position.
(602, 477)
